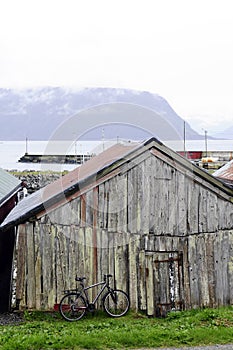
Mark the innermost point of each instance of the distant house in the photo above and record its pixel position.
(161, 225)
(9, 187)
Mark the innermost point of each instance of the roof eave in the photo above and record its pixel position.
(108, 168)
(10, 195)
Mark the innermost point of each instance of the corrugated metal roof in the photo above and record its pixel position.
(68, 183)
(8, 185)
(225, 173)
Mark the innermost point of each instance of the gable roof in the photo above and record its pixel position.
(9, 185)
(96, 170)
(67, 184)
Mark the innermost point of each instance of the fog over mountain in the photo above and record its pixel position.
(226, 134)
(42, 113)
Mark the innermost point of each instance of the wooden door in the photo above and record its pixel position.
(163, 282)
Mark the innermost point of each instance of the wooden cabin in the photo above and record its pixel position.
(9, 188)
(161, 225)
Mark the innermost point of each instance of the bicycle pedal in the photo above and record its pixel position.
(91, 307)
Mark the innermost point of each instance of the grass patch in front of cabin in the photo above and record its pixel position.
(98, 331)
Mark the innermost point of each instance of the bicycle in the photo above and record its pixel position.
(75, 302)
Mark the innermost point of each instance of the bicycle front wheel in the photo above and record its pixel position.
(116, 303)
(72, 307)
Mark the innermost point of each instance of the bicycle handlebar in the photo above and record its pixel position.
(107, 277)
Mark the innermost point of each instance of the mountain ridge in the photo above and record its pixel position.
(37, 112)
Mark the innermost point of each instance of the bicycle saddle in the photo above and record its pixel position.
(80, 279)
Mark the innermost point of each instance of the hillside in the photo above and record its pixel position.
(37, 113)
(226, 134)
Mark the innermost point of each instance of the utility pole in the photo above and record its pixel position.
(103, 138)
(206, 143)
(75, 151)
(26, 146)
(185, 140)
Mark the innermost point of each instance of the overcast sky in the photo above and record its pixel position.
(180, 49)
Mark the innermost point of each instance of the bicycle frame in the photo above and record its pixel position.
(76, 302)
(85, 289)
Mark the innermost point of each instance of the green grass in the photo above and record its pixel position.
(98, 331)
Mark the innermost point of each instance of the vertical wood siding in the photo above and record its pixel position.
(133, 225)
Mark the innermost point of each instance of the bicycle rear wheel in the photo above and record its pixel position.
(116, 303)
(72, 307)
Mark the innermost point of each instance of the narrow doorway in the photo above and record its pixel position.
(164, 286)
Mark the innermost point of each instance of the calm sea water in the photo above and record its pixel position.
(11, 151)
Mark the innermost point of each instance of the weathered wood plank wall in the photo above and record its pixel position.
(119, 226)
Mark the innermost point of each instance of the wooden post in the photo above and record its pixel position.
(94, 237)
